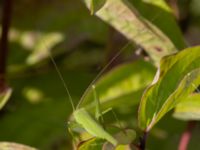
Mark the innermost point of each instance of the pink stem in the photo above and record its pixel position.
(186, 136)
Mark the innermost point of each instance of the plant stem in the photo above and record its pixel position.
(142, 144)
(186, 136)
(6, 18)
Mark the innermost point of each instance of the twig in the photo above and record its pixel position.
(142, 144)
(6, 18)
(186, 136)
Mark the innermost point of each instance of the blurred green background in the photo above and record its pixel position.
(81, 45)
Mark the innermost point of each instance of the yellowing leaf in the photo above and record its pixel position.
(189, 108)
(14, 146)
(126, 19)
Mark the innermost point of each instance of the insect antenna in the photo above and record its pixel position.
(60, 77)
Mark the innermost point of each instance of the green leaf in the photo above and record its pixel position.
(43, 46)
(160, 3)
(4, 97)
(107, 146)
(161, 15)
(123, 147)
(92, 144)
(95, 5)
(121, 86)
(189, 108)
(126, 136)
(14, 146)
(126, 19)
(175, 79)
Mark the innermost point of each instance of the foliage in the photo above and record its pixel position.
(174, 81)
(125, 18)
(4, 97)
(14, 146)
(65, 40)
